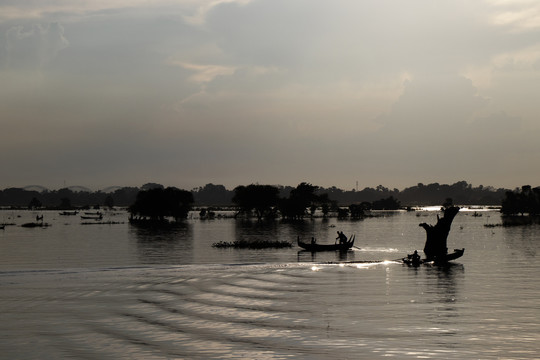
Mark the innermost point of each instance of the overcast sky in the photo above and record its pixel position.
(233, 92)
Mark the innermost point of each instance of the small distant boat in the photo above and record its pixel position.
(69, 213)
(327, 247)
(441, 260)
(93, 217)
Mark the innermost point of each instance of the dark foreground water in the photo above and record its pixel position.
(72, 291)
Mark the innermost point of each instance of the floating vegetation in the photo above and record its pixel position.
(103, 223)
(257, 244)
(32, 225)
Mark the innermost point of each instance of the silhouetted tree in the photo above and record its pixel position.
(389, 203)
(34, 203)
(125, 196)
(436, 245)
(109, 201)
(448, 203)
(65, 203)
(357, 211)
(212, 194)
(325, 203)
(158, 204)
(259, 198)
(300, 199)
(342, 213)
(149, 186)
(525, 202)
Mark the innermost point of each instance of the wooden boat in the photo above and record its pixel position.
(409, 260)
(327, 247)
(69, 213)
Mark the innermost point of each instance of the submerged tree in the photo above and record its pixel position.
(65, 203)
(389, 203)
(259, 198)
(157, 204)
(436, 241)
(358, 210)
(109, 201)
(34, 203)
(525, 202)
(300, 199)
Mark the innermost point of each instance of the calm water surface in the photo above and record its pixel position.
(73, 291)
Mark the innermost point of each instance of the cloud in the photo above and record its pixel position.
(433, 101)
(11, 10)
(205, 73)
(203, 8)
(268, 90)
(438, 128)
(32, 48)
(193, 12)
(522, 60)
(516, 16)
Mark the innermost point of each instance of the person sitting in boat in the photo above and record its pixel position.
(341, 237)
(415, 257)
(313, 241)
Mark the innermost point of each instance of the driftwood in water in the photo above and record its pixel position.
(438, 234)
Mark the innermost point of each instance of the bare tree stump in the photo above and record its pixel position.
(437, 235)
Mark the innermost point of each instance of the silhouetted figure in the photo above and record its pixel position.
(313, 241)
(415, 257)
(341, 237)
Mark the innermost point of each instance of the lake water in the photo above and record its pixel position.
(73, 291)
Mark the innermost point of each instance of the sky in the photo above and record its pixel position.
(341, 93)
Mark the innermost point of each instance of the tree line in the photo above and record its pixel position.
(522, 202)
(260, 201)
(217, 195)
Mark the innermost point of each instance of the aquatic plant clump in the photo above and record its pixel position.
(257, 244)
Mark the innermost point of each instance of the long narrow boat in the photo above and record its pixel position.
(327, 247)
(437, 261)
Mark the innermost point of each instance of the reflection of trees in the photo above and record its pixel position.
(248, 230)
(172, 244)
(252, 230)
(523, 239)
